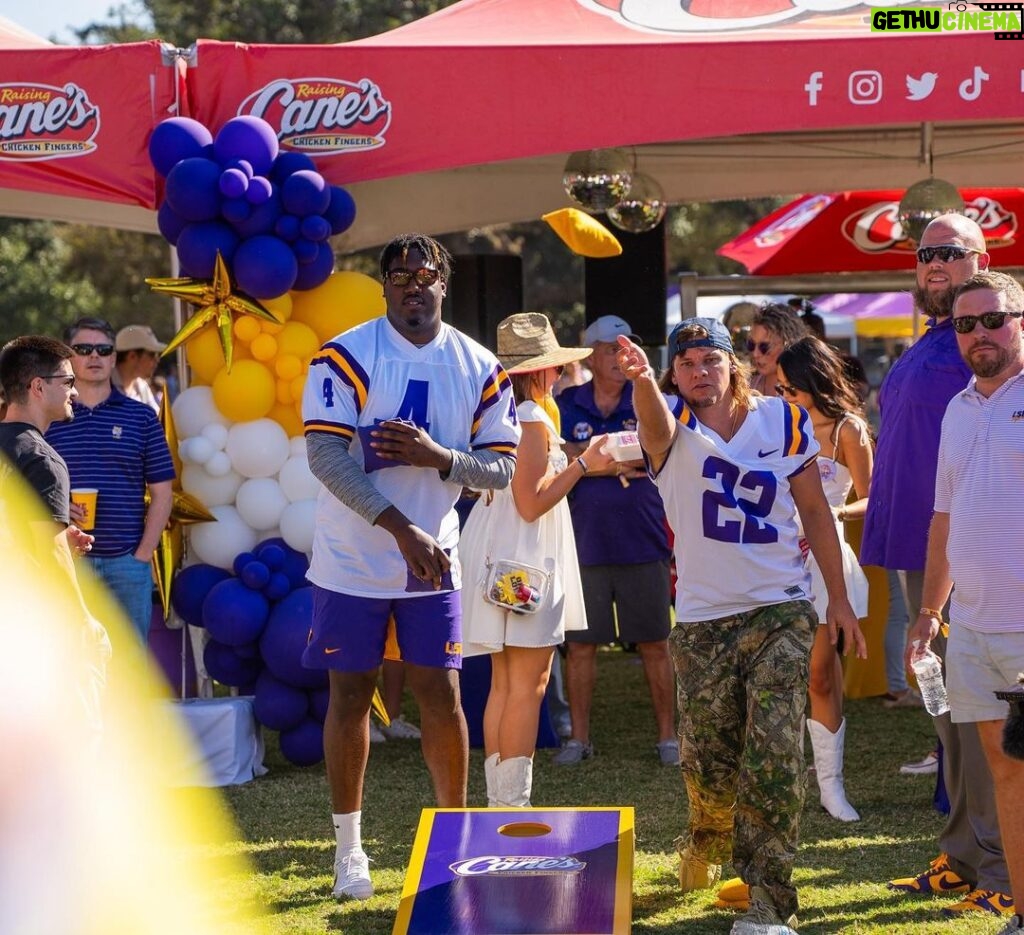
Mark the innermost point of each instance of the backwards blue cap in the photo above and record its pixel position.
(717, 335)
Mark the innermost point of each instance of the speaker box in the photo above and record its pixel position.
(632, 285)
(484, 289)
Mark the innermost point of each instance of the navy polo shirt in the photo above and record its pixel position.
(119, 448)
(614, 525)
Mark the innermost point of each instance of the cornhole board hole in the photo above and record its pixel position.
(519, 871)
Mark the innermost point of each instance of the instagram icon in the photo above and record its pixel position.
(865, 87)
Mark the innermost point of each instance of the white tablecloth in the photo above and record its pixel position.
(228, 747)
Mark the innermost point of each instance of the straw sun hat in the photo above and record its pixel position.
(527, 342)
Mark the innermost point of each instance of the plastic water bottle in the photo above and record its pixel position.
(928, 669)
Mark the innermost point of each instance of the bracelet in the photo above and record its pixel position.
(929, 612)
(582, 464)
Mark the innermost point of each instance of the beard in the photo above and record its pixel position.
(934, 304)
(992, 365)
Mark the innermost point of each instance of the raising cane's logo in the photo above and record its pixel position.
(322, 116)
(40, 121)
(720, 15)
(877, 229)
(515, 866)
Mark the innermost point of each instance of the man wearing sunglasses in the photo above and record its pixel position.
(116, 445)
(912, 401)
(975, 547)
(400, 414)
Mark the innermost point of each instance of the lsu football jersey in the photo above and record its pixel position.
(732, 511)
(454, 389)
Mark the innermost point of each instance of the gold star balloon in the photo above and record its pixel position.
(215, 302)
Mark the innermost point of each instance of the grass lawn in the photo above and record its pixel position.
(285, 831)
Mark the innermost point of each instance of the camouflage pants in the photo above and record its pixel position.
(742, 685)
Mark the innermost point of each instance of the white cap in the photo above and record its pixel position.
(138, 338)
(606, 329)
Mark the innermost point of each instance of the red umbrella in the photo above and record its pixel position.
(853, 232)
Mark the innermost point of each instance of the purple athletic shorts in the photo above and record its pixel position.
(349, 633)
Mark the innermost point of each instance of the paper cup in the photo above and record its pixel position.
(85, 497)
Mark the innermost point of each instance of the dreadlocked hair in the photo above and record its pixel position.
(430, 248)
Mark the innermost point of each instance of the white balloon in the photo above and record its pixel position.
(185, 451)
(297, 523)
(297, 481)
(217, 435)
(258, 448)
(212, 491)
(194, 409)
(298, 445)
(218, 465)
(260, 502)
(197, 450)
(218, 543)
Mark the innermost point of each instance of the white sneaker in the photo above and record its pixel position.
(400, 729)
(929, 766)
(376, 736)
(352, 875)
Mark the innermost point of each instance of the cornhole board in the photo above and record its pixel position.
(519, 871)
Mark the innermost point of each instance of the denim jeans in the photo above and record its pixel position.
(131, 582)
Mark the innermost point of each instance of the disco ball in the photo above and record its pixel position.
(923, 202)
(597, 179)
(642, 208)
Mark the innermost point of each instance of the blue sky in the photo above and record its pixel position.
(51, 18)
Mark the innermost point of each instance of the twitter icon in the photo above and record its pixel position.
(919, 88)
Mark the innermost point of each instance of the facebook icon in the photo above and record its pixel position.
(813, 86)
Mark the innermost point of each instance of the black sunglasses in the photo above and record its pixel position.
(423, 276)
(84, 350)
(945, 252)
(783, 390)
(68, 379)
(763, 346)
(993, 321)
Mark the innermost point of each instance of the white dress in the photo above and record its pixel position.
(495, 531)
(837, 481)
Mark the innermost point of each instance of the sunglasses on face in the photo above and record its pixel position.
(948, 253)
(762, 347)
(423, 276)
(84, 350)
(993, 321)
(67, 380)
(783, 389)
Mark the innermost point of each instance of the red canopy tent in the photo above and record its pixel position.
(850, 232)
(74, 123)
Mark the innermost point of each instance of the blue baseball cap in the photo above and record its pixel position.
(717, 335)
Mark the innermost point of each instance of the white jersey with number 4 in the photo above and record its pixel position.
(454, 389)
(732, 511)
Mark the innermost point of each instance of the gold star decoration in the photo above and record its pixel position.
(215, 302)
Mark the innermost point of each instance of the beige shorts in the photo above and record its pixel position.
(978, 664)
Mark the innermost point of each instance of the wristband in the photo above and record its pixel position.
(582, 464)
(929, 612)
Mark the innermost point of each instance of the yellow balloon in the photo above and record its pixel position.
(298, 387)
(270, 327)
(298, 339)
(263, 347)
(245, 393)
(206, 358)
(288, 418)
(284, 392)
(287, 366)
(344, 300)
(280, 308)
(246, 327)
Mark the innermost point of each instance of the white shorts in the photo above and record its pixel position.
(978, 664)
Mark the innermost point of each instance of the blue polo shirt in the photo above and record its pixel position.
(912, 401)
(614, 525)
(119, 447)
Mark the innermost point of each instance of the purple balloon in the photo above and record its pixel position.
(277, 705)
(260, 189)
(175, 139)
(303, 745)
(277, 587)
(265, 266)
(288, 162)
(287, 227)
(248, 138)
(235, 210)
(198, 245)
(284, 640)
(342, 210)
(316, 273)
(192, 189)
(305, 251)
(234, 614)
(241, 560)
(233, 183)
(295, 563)
(242, 164)
(189, 589)
(261, 219)
(255, 575)
(318, 702)
(305, 192)
(272, 554)
(169, 223)
(315, 227)
(227, 667)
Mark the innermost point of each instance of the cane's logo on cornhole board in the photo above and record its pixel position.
(323, 116)
(42, 121)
